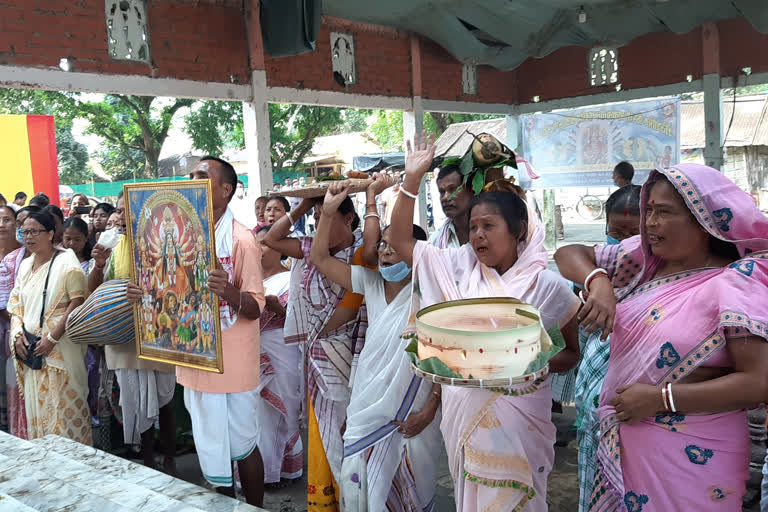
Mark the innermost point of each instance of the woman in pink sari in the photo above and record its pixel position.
(500, 444)
(688, 351)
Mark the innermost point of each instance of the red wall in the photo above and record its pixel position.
(206, 40)
(383, 60)
(195, 40)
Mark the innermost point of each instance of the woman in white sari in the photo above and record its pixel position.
(391, 442)
(500, 442)
(55, 396)
(278, 437)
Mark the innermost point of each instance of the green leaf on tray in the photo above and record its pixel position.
(435, 366)
(451, 161)
(431, 365)
(558, 344)
(478, 181)
(467, 163)
(330, 178)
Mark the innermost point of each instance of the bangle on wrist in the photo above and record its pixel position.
(592, 275)
(51, 339)
(406, 193)
(290, 218)
(671, 398)
(371, 215)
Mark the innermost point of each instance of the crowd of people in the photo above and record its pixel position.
(664, 333)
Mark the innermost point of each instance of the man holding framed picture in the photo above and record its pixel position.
(223, 406)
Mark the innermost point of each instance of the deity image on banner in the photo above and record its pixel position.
(172, 236)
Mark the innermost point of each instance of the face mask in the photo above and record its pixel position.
(18, 236)
(609, 240)
(396, 272)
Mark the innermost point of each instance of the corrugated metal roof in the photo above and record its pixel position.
(748, 126)
(455, 139)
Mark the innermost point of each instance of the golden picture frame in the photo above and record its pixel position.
(171, 232)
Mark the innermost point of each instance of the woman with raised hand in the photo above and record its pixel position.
(684, 304)
(500, 444)
(391, 441)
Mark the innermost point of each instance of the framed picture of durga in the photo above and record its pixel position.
(171, 234)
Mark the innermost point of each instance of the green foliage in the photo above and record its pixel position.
(216, 126)
(72, 158)
(128, 124)
(131, 124)
(293, 129)
(387, 129)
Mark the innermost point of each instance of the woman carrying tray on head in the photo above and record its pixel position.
(325, 320)
(391, 443)
(685, 306)
(499, 444)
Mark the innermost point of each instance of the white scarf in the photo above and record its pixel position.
(224, 247)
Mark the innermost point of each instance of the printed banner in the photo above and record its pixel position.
(28, 144)
(579, 148)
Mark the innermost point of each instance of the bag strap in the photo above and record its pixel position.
(45, 290)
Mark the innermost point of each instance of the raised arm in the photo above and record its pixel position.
(335, 270)
(417, 163)
(277, 237)
(372, 229)
(576, 263)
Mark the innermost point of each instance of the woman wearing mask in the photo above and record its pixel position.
(279, 439)
(9, 270)
(8, 246)
(622, 221)
(49, 286)
(685, 306)
(391, 442)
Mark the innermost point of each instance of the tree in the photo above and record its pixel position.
(216, 126)
(132, 125)
(387, 127)
(293, 129)
(72, 158)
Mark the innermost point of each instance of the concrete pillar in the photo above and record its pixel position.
(713, 121)
(257, 139)
(515, 139)
(413, 123)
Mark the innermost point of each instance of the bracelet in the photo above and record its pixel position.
(52, 339)
(290, 218)
(371, 215)
(240, 306)
(438, 395)
(671, 398)
(664, 398)
(408, 194)
(592, 275)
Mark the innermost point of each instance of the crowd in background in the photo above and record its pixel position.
(663, 347)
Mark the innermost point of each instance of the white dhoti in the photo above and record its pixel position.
(224, 430)
(277, 419)
(142, 394)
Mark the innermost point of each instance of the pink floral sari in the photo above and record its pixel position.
(665, 329)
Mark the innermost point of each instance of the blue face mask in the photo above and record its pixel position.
(396, 272)
(18, 235)
(609, 240)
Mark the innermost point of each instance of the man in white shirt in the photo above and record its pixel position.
(455, 199)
